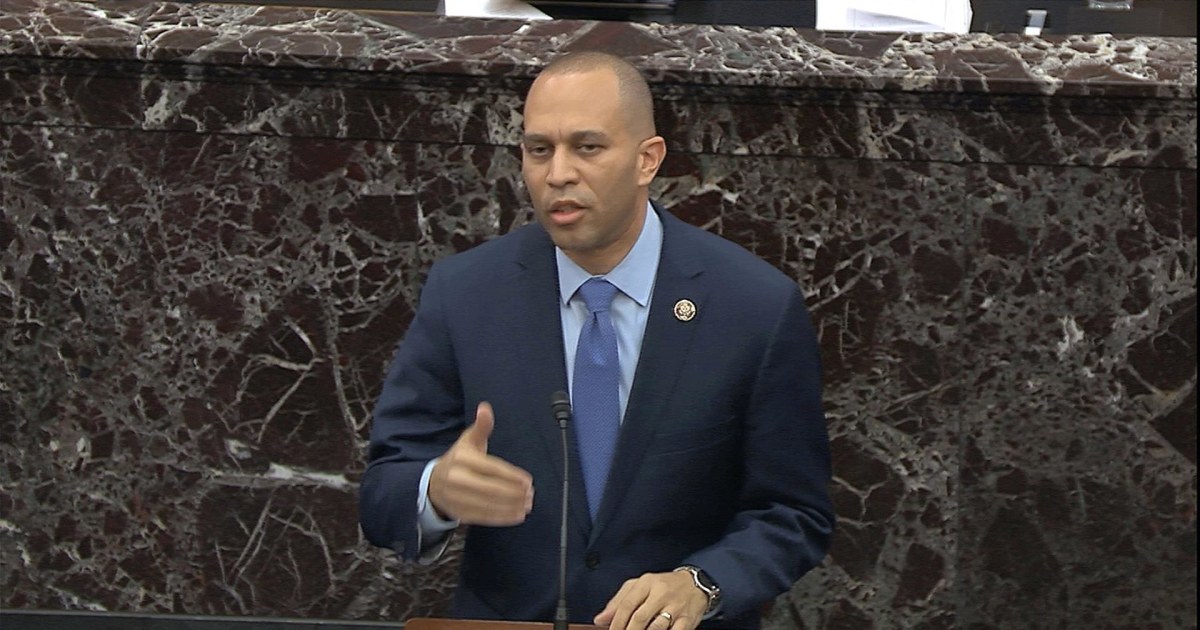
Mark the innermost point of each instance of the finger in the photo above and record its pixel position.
(662, 621)
(492, 514)
(467, 470)
(471, 483)
(624, 605)
(487, 489)
(679, 621)
(497, 470)
(473, 507)
(605, 617)
(477, 435)
(645, 614)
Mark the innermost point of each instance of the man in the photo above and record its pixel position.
(700, 463)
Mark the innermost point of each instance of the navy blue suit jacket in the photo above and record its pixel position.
(722, 459)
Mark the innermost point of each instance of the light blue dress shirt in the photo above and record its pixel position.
(634, 278)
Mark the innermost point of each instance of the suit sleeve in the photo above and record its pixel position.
(784, 520)
(417, 418)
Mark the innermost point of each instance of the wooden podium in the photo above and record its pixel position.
(429, 623)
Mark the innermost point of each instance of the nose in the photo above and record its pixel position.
(561, 171)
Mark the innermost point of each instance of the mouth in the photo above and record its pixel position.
(566, 212)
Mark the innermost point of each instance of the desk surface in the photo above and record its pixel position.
(17, 619)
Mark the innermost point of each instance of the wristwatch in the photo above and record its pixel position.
(706, 585)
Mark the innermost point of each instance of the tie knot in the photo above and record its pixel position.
(597, 294)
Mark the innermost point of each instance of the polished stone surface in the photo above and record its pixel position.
(216, 221)
(26, 619)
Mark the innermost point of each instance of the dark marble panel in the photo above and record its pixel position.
(220, 345)
(84, 30)
(216, 221)
(213, 34)
(956, 128)
(269, 84)
(263, 101)
(444, 110)
(38, 91)
(800, 123)
(884, 282)
(198, 333)
(721, 55)
(1079, 485)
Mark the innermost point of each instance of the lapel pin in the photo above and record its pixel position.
(685, 310)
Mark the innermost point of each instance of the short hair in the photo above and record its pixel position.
(631, 85)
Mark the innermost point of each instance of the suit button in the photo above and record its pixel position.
(592, 559)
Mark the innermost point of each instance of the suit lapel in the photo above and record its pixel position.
(665, 349)
(539, 358)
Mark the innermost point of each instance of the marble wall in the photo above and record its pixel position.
(216, 221)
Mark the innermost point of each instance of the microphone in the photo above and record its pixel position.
(561, 404)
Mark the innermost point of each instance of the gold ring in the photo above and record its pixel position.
(668, 616)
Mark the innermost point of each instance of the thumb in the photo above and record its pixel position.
(477, 434)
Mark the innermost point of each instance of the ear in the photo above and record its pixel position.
(650, 156)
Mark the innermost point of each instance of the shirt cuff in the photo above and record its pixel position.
(433, 531)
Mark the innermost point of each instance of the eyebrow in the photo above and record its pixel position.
(583, 135)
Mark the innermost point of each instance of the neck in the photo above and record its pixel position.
(603, 261)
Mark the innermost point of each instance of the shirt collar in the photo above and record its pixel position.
(633, 276)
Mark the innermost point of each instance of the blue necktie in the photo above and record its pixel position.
(595, 397)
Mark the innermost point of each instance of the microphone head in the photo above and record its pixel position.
(561, 403)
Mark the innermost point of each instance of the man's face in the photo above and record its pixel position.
(584, 168)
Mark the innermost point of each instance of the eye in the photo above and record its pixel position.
(589, 148)
(537, 150)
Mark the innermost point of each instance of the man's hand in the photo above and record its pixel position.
(475, 488)
(641, 601)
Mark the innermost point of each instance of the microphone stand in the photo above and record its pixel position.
(562, 412)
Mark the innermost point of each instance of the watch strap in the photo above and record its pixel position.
(705, 583)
